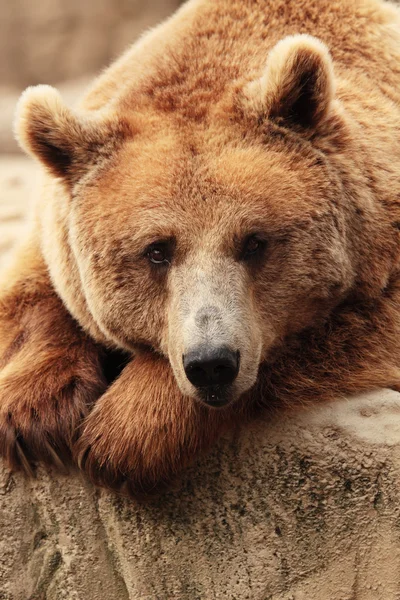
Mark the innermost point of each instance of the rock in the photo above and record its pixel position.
(305, 507)
(17, 178)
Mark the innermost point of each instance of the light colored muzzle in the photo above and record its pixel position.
(214, 339)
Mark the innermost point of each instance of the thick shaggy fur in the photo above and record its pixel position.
(235, 118)
(50, 371)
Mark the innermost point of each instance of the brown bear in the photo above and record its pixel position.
(224, 208)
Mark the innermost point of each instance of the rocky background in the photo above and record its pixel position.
(64, 43)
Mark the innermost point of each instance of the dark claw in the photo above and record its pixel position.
(56, 459)
(24, 462)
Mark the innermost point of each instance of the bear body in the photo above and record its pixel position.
(223, 207)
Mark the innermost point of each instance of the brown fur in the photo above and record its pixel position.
(138, 442)
(215, 126)
(50, 371)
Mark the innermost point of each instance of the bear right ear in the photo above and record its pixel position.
(48, 130)
(297, 86)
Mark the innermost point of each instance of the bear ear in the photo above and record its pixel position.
(297, 87)
(51, 132)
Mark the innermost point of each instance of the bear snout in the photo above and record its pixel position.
(212, 370)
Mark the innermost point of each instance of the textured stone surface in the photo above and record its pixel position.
(303, 508)
(17, 178)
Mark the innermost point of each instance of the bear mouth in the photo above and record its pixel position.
(216, 396)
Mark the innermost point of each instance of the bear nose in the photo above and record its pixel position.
(206, 367)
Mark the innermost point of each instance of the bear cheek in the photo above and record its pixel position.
(138, 320)
(126, 303)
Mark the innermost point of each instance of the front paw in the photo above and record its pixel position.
(39, 419)
(50, 376)
(142, 431)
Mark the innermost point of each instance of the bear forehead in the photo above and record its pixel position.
(167, 177)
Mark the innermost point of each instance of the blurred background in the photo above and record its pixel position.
(64, 43)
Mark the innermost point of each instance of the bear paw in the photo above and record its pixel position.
(40, 414)
(143, 431)
(50, 375)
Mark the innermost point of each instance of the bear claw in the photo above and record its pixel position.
(45, 434)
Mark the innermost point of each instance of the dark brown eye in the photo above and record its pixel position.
(252, 247)
(158, 254)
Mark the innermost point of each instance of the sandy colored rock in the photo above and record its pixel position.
(17, 177)
(303, 508)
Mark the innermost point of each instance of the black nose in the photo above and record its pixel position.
(206, 367)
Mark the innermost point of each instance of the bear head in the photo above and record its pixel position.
(210, 242)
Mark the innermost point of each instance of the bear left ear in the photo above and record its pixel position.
(297, 87)
(63, 141)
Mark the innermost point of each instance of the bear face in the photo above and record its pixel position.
(209, 245)
(228, 267)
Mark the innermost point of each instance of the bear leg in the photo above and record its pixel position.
(50, 371)
(143, 431)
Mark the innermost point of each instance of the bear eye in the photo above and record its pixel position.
(252, 246)
(159, 254)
